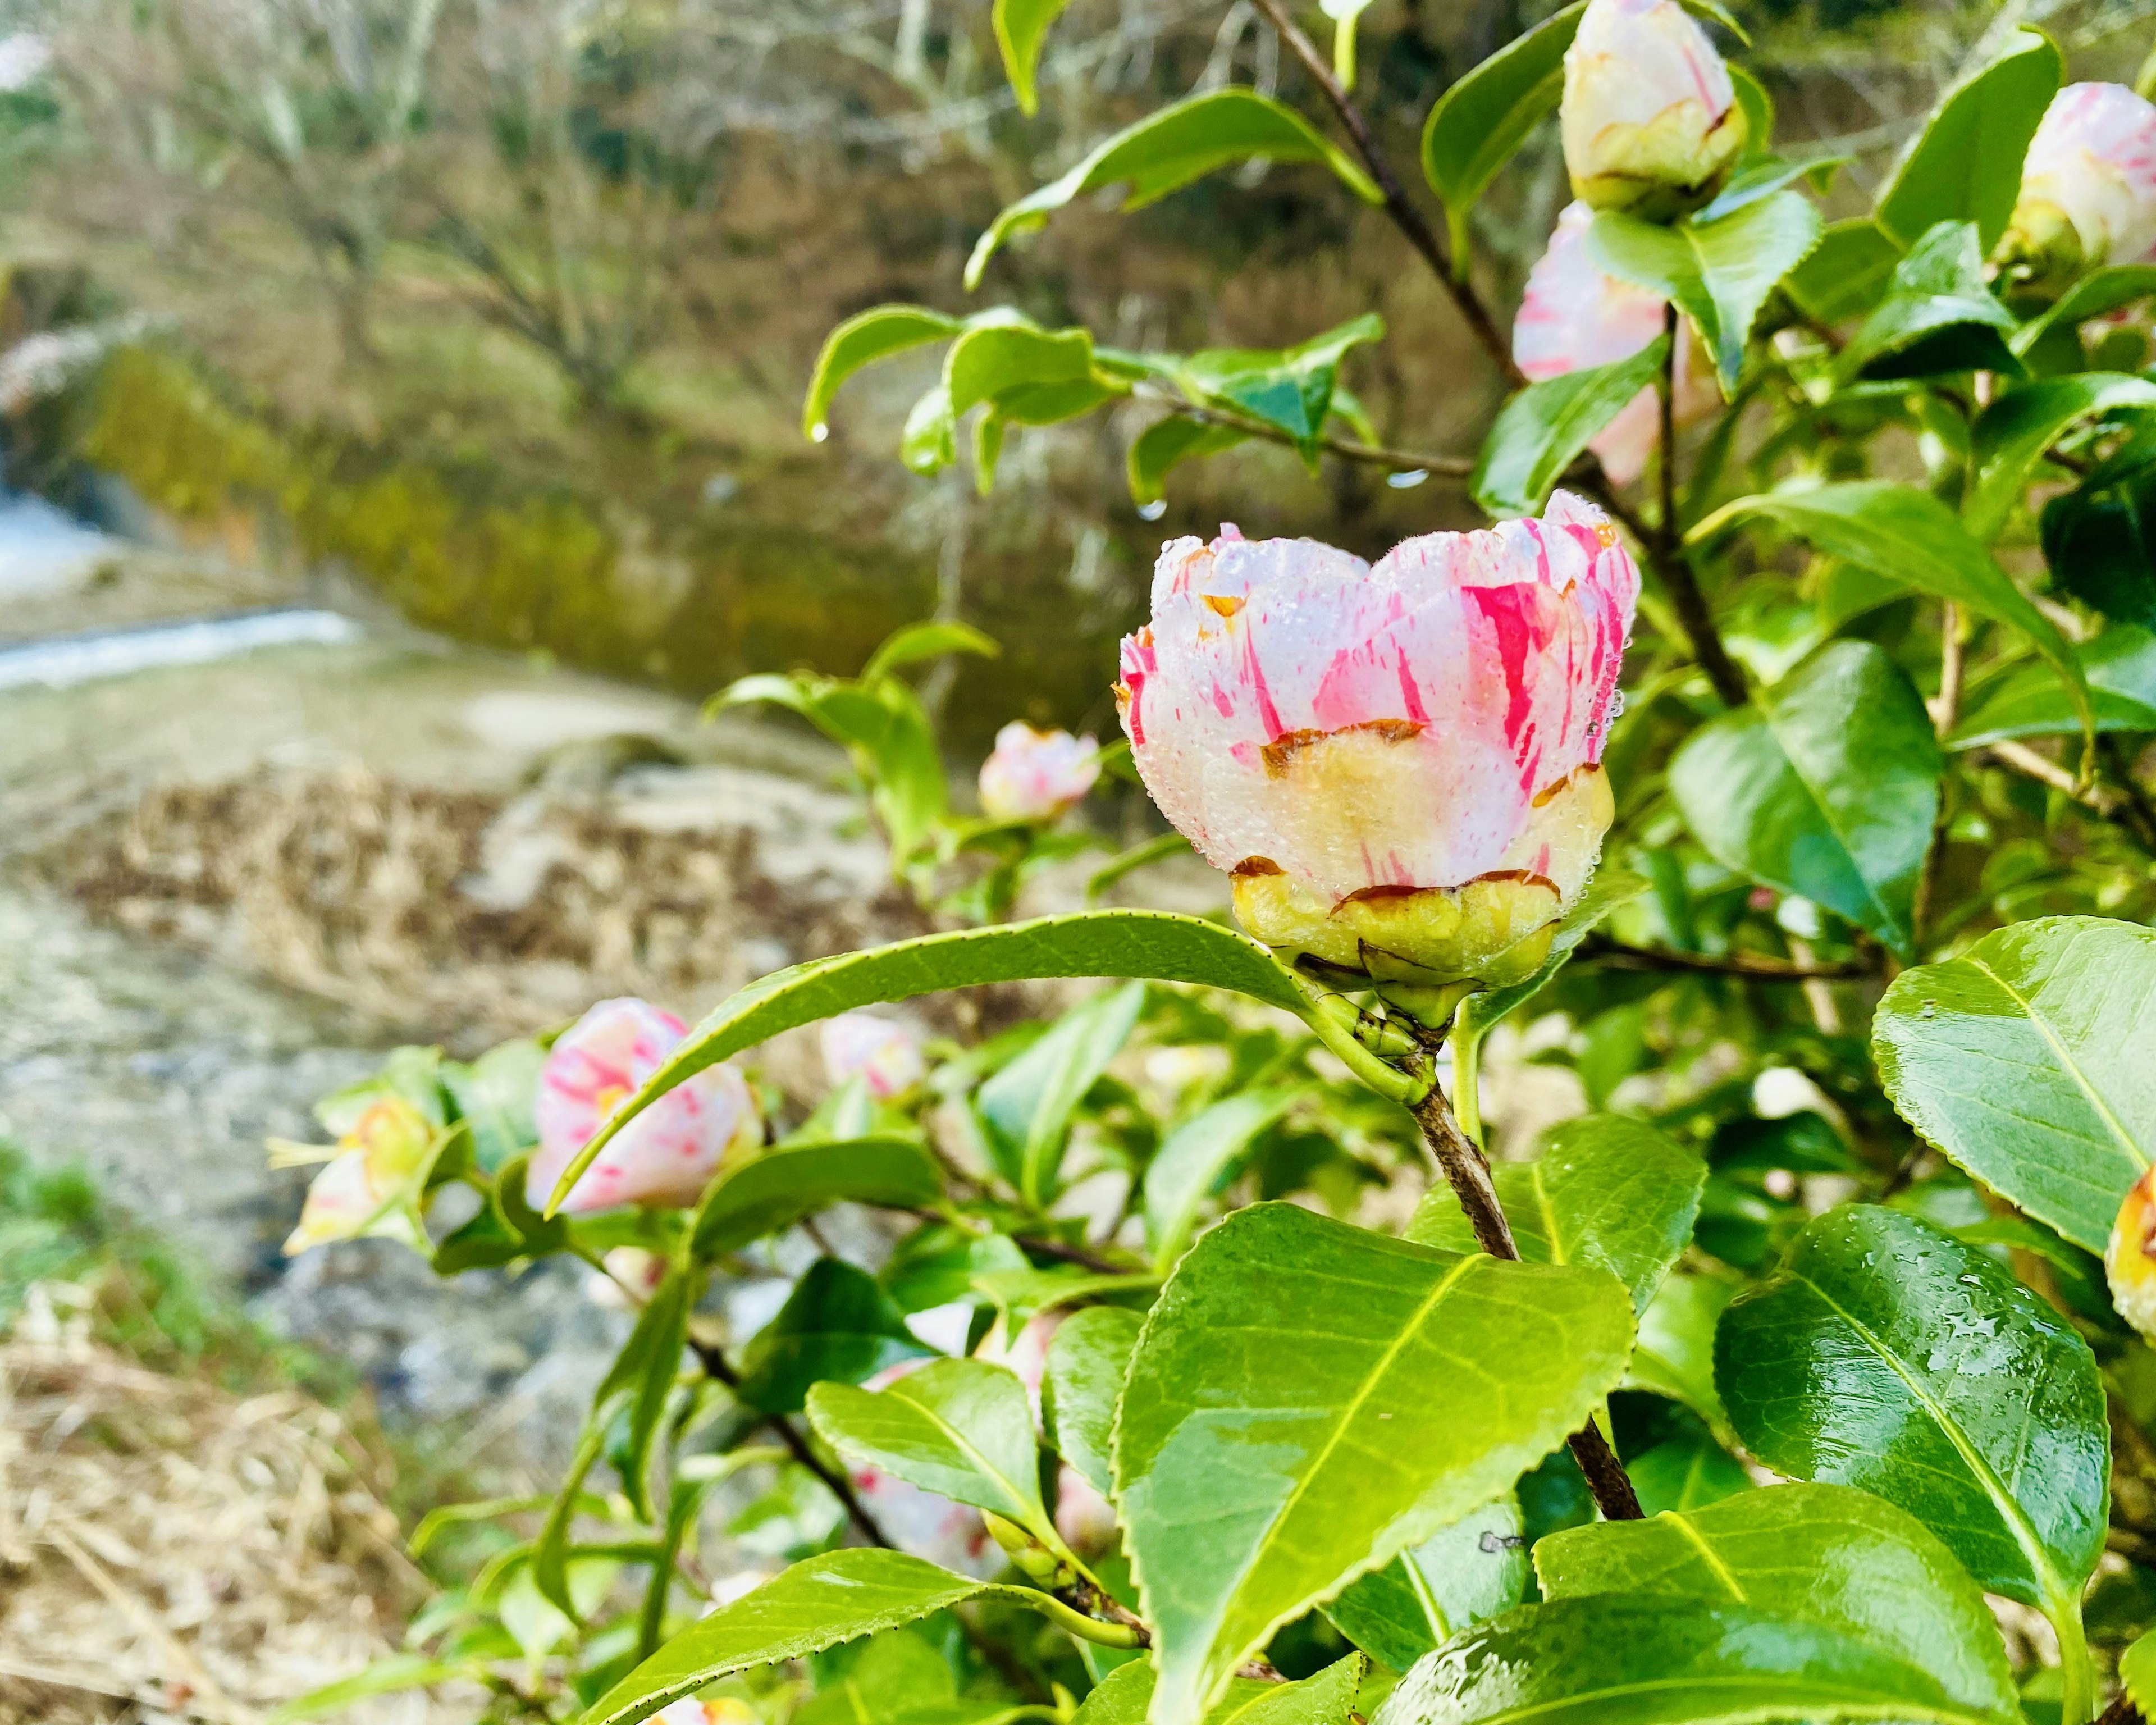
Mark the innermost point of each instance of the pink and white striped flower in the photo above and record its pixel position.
(1398, 765)
(884, 1052)
(666, 1155)
(1574, 317)
(1036, 775)
(1650, 119)
(2088, 185)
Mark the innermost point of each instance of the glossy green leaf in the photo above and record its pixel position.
(1887, 1355)
(1465, 1574)
(1165, 445)
(2026, 1061)
(494, 1095)
(2100, 543)
(1479, 124)
(1938, 316)
(2137, 1674)
(1194, 1159)
(1845, 274)
(917, 643)
(1966, 164)
(2120, 664)
(507, 1230)
(862, 340)
(1612, 1659)
(1168, 150)
(1289, 388)
(1606, 1191)
(775, 1189)
(1720, 273)
(1026, 1108)
(1021, 26)
(1686, 1472)
(939, 1261)
(928, 441)
(636, 1386)
(993, 356)
(837, 1324)
(1264, 1460)
(960, 1428)
(1153, 944)
(1542, 430)
(1674, 1354)
(1087, 1359)
(1909, 536)
(2099, 291)
(2011, 435)
(1825, 1554)
(1327, 1698)
(1826, 786)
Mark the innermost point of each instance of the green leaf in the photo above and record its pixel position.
(1542, 430)
(1617, 1661)
(960, 1428)
(1165, 445)
(862, 340)
(1845, 273)
(1907, 535)
(636, 1386)
(2026, 1061)
(1327, 1698)
(2110, 289)
(1154, 944)
(2099, 539)
(1026, 1108)
(994, 356)
(1289, 388)
(1827, 1554)
(837, 1324)
(1826, 786)
(384, 1676)
(507, 1230)
(1165, 151)
(2010, 436)
(817, 1604)
(1480, 1014)
(2120, 664)
(775, 1189)
(928, 442)
(1720, 273)
(1087, 1360)
(1021, 26)
(1479, 124)
(1966, 164)
(494, 1095)
(1193, 1159)
(1606, 1191)
(918, 642)
(1687, 1472)
(2137, 1674)
(937, 1263)
(1937, 316)
(1466, 1574)
(1263, 1461)
(1887, 1355)
(1675, 1355)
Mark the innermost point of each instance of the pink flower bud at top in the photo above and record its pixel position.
(1398, 765)
(2129, 1257)
(665, 1157)
(370, 1185)
(1572, 318)
(883, 1052)
(1650, 119)
(1036, 775)
(2088, 186)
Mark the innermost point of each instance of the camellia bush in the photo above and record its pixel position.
(1780, 743)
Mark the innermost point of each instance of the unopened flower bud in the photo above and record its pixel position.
(632, 1275)
(1572, 318)
(2088, 186)
(1398, 765)
(2129, 1257)
(369, 1186)
(1650, 119)
(884, 1054)
(1036, 775)
(665, 1157)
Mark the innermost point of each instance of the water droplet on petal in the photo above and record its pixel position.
(1406, 481)
(1617, 706)
(1154, 511)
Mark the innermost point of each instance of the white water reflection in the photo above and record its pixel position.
(70, 659)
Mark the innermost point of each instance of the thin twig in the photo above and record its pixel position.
(1945, 709)
(1406, 460)
(2103, 799)
(1759, 966)
(1694, 615)
(1467, 1171)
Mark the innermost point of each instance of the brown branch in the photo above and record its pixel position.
(1945, 710)
(1759, 966)
(1467, 1171)
(1407, 460)
(2121, 1711)
(2108, 800)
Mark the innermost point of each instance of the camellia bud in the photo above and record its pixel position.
(2088, 186)
(665, 1156)
(1036, 775)
(1398, 765)
(1650, 118)
(2129, 1258)
(883, 1053)
(363, 1188)
(1574, 317)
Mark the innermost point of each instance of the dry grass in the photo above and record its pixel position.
(169, 1551)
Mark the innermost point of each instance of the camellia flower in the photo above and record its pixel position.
(1036, 775)
(666, 1155)
(2088, 186)
(883, 1052)
(1398, 765)
(1572, 318)
(1650, 119)
(367, 1187)
(2129, 1257)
